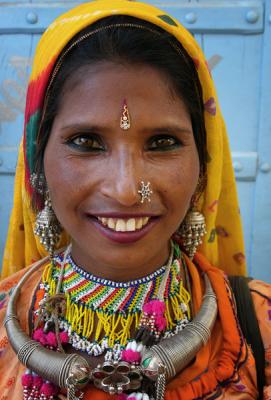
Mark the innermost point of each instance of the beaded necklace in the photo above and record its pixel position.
(101, 314)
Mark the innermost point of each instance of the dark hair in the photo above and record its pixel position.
(140, 43)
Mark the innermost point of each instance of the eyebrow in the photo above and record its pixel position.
(84, 127)
(169, 129)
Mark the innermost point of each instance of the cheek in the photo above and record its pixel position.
(63, 180)
(187, 177)
(182, 182)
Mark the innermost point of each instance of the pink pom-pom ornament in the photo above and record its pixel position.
(37, 381)
(131, 356)
(122, 396)
(160, 323)
(156, 307)
(51, 339)
(64, 337)
(27, 380)
(39, 335)
(48, 389)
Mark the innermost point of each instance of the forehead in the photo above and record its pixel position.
(104, 86)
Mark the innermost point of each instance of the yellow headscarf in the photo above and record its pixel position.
(223, 244)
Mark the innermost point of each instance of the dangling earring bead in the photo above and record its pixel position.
(192, 229)
(47, 226)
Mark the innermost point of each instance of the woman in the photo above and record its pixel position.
(124, 144)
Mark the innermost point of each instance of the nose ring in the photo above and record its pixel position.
(145, 191)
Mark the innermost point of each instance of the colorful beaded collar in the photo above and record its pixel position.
(101, 316)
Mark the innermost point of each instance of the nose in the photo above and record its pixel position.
(124, 178)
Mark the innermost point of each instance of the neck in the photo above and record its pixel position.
(122, 269)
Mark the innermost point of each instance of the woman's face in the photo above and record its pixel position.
(94, 168)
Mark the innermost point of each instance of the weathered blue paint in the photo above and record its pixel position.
(260, 260)
(204, 16)
(236, 38)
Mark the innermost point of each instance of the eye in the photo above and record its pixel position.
(160, 143)
(86, 143)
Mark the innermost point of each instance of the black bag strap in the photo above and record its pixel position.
(249, 325)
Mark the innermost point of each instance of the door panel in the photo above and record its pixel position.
(14, 56)
(236, 37)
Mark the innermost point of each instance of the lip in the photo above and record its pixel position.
(123, 237)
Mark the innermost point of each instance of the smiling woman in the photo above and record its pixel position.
(126, 177)
(86, 137)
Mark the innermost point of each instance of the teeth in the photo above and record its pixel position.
(122, 225)
(131, 225)
(110, 223)
(139, 223)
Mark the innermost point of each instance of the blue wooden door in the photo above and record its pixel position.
(236, 38)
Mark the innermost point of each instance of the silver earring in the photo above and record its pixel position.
(192, 229)
(47, 227)
(145, 191)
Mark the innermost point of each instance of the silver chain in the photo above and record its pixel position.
(161, 385)
(72, 392)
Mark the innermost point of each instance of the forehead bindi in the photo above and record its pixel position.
(125, 120)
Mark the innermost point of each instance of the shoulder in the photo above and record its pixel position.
(10, 386)
(260, 290)
(11, 281)
(261, 295)
(8, 284)
(6, 287)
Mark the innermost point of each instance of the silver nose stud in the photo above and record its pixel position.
(145, 191)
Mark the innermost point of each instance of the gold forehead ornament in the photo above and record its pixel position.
(125, 122)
